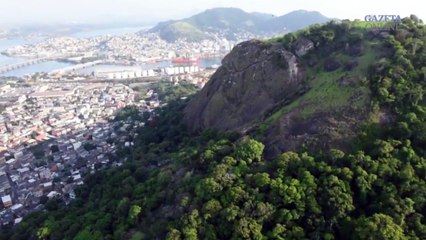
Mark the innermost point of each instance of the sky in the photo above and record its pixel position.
(27, 12)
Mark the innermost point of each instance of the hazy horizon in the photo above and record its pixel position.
(58, 12)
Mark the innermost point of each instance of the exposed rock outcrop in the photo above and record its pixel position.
(263, 89)
(253, 78)
(302, 46)
(322, 130)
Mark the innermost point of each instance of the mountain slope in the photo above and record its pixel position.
(294, 21)
(229, 21)
(290, 93)
(181, 30)
(262, 16)
(225, 20)
(232, 19)
(252, 78)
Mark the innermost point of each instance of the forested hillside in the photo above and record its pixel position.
(207, 184)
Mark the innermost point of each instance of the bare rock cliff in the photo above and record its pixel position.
(253, 79)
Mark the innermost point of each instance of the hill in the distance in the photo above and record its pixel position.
(181, 30)
(293, 21)
(229, 21)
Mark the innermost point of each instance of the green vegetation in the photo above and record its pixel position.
(39, 149)
(343, 87)
(126, 112)
(89, 146)
(177, 30)
(167, 91)
(210, 185)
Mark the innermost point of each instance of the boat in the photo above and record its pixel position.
(193, 60)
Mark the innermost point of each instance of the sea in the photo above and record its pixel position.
(54, 65)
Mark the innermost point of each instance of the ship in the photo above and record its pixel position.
(193, 60)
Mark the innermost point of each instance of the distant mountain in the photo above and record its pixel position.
(263, 16)
(294, 21)
(171, 31)
(229, 21)
(233, 19)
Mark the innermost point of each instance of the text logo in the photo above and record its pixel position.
(382, 22)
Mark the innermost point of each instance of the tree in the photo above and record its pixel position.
(138, 236)
(286, 158)
(327, 36)
(264, 211)
(335, 198)
(123, 207)
(207, 188)
(211, 208)
(288, 40)
(378, 227)
(43, 233)
(221, 175)
(134, 213)
(278, 232)
(249, 150)
(54, 148)
(190, 233)
(52, 204)
(262, 179)
(89, 146)
(85, 235)
(43, 199)
(173, 234)
(248, 228)
(336, 154)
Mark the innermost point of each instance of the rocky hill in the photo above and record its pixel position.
(307, 89)
(252, 79)
(229, 21)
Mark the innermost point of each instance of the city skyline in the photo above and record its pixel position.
(24, 12)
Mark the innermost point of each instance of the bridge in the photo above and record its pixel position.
(11, 67)
(76, 67)
(96, 80)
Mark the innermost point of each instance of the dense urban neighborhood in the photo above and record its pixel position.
(55, 134)
(58, 126)
(129, 48)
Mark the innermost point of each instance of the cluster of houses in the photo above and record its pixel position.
(54, 138)
(144, 47)
(50, 112)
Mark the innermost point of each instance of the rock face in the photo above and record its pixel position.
(321, 131)
(262, 89)
(253, 79)
(302, 46)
